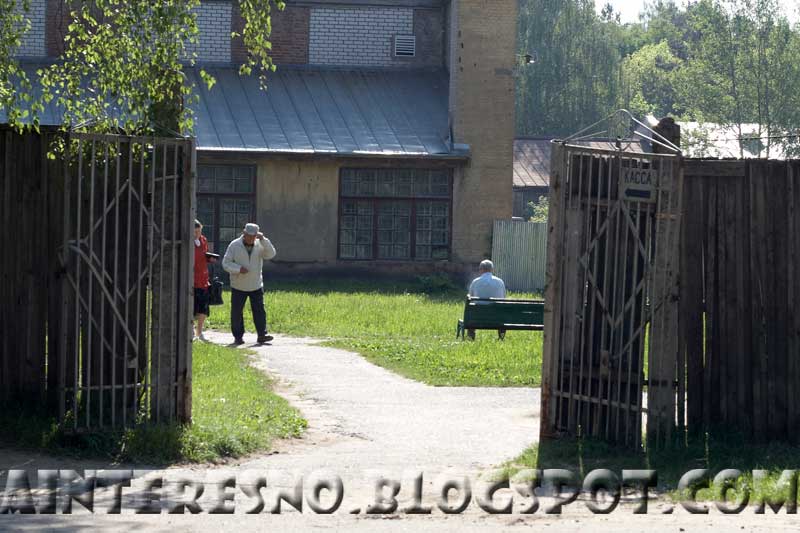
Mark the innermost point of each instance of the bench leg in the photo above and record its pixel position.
(471, 334)
(501, 334)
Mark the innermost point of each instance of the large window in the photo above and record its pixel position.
(395, 214)
(225, 202)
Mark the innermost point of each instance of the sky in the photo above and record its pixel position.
(630, 9)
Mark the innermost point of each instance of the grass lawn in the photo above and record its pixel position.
(716, 453)
(234, 413)
(408, 327)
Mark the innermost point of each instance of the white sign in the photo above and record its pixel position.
(639, 184)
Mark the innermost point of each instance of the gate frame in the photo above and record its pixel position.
(167, 383)
(663, 272)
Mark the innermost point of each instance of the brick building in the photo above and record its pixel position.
(384, 141)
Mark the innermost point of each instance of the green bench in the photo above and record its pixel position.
(501, 316)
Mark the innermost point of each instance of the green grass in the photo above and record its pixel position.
(235, 413)
(407, 327)
(718, 451)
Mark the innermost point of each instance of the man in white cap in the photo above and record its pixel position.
(244, 260)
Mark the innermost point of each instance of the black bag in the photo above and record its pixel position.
(215, 292)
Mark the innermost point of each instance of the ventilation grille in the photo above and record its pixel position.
(405, 45)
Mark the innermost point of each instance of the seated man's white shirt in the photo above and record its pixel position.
(487, 286)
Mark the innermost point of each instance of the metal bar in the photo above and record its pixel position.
(103, 268)
(155, 297)
(63, 348)
(128, 253)
(646, 320)
(114, 304)
(634, 295)
(140, 330)
(177, 213)
(78, 203)
(601, 402)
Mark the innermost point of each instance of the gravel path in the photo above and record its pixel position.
(363, 419)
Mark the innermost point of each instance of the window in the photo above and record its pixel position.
(395, 214)
(225, 202)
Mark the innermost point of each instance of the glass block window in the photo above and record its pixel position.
(355, 234)
(225, 202)
(395, 214)
(226, 179)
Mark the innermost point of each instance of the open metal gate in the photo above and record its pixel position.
(124, 345)
(611, 312)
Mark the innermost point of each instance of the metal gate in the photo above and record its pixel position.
(124, 350)
(611, 312)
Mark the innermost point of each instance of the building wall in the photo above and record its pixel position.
(482, 61)
(289, 38)
(298, 204)
(33, 42)
(356, 36)
(214, 23)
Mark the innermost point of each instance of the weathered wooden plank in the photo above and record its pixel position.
(692, 299)
(743, 312)
(793, 374)
(552, 309)
(711, 385)
(758, 265)
(781, 312)
(713, 168)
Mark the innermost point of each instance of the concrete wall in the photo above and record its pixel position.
(482, 59)
(297, 204)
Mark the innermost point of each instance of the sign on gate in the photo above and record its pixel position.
(638, 184)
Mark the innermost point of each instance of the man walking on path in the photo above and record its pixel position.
(244, 260)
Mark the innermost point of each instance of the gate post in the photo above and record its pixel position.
(552, 306)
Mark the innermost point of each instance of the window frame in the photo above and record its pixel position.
(217, 197)
(376, 201)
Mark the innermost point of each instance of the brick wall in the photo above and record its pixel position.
(33, 42)
(357, 36)
(289, 37)
(214, 23)
(482, 61)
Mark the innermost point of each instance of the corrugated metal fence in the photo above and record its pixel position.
(519, 252)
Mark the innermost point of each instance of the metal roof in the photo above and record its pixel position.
(320, 111)
(532, 158)
(328, 111)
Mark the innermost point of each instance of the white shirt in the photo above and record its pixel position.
(237, 256)
(487, 286)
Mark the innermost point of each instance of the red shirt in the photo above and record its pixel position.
(201, 264)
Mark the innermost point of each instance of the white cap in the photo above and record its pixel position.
(251, 229)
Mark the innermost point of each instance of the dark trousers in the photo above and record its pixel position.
(256, 306)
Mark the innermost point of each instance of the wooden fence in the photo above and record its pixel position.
(740, 283)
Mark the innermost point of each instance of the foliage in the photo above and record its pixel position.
(14, 83)
(437, 283)
(540, 209)
(124, 63)
(234, 413)
(727, 62)
(398, 325)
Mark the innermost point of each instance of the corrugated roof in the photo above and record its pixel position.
(323, 111)
(532, 159)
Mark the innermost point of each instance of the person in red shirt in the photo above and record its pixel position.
(201, 281)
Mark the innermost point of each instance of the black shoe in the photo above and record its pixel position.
(264, 339)
(238, 342)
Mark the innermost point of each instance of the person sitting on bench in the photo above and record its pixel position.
(486, 286)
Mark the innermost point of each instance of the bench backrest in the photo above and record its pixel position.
(479, 312)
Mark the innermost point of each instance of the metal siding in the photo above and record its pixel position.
(519, 253)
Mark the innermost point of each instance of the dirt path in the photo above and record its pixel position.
(362, 420)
